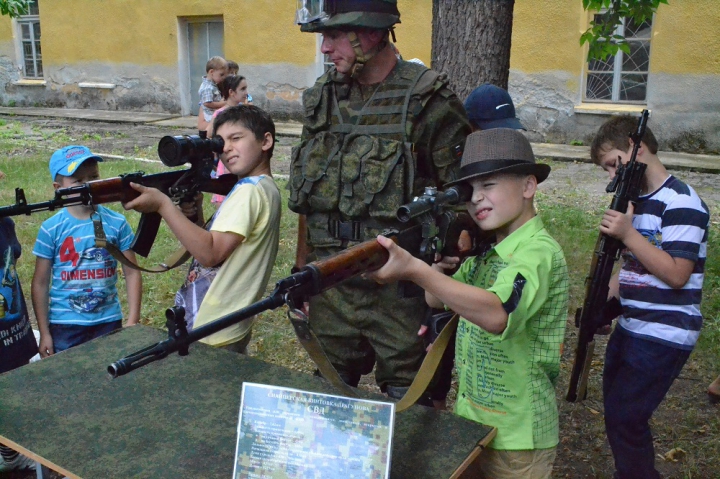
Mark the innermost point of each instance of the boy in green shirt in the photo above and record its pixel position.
(513, 306)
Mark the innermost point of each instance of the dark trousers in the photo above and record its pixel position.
(65, 336)
(638, 373)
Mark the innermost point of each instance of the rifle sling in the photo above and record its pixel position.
(428, 366)
(174, 260)
(312, 346)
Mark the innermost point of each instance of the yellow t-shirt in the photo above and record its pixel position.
(252, 209)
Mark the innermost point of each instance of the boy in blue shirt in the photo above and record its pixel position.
(74, 290)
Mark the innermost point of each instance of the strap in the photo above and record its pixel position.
(174, 260)
(312, 346)
(428, 367)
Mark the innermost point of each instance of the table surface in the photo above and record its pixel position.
(178, 417)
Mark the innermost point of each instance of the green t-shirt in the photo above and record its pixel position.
(508, 380)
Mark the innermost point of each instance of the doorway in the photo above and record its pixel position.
(203, 38)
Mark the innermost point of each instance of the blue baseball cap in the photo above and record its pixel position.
(489, 106)
(67, 160)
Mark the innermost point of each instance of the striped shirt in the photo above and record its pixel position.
(675, 219)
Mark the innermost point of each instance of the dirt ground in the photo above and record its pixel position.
(583, 451)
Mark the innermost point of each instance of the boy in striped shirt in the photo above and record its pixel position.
(660, 287)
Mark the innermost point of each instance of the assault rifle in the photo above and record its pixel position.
(180, 185)
(597, 311)
(437, 231)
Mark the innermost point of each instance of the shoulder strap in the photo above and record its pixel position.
(175, 259)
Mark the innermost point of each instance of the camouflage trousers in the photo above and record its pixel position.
(360, 323)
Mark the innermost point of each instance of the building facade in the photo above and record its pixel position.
(150, 56)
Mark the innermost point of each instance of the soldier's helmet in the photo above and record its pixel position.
(319, 15)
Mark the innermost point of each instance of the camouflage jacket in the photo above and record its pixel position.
(368, 149)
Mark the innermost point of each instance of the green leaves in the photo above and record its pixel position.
(602, 37)
(15, 8)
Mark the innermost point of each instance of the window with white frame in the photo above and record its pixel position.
(622, 78)
(29, 37)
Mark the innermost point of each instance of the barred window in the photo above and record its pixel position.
(29, 37)
(623, 77)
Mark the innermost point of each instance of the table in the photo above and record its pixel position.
(178, 417)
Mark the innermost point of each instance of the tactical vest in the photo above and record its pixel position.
(352, 172)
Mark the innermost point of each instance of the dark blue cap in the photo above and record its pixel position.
(489, 106)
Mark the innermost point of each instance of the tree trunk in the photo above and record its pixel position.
(471, 42)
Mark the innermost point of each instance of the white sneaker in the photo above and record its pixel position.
(20, 463)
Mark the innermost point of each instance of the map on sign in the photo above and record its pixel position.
(288, 433)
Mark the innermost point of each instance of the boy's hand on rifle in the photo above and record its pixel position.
(616, 224)
(149, 201)
(192, 209)
(399, 265)
(446, 264)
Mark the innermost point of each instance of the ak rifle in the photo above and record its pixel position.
(436, 230)
(597, 309)
(179, 185)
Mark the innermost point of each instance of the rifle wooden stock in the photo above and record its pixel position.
(312, 279)
(596, 310)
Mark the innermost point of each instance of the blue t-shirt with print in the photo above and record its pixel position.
(83, 288)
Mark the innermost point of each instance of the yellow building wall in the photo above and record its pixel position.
(546, 36)
(414, 33)
(686, 38)
(143, 32)
(545, 33)
(5, 29)
(6, 38)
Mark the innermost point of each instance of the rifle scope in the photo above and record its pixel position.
(432, 199)
(178, 150)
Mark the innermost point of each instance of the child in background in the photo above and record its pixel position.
(233, 69)
(17, 341)
(660, 288)
(234, 91)
(209, 93)
(74, 291)
(232, 261)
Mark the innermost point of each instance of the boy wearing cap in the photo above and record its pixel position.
(513, 306)
(489, 106)
(74, 291)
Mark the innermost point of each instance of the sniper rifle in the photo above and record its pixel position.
(437, 230)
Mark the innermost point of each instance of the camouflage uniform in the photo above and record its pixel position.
(365, 151)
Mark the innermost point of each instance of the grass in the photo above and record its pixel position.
(571, 217)
(570, 213)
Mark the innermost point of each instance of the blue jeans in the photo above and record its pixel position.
(638, 373)
(65, 336)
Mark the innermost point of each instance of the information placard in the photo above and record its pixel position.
(289, 433)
